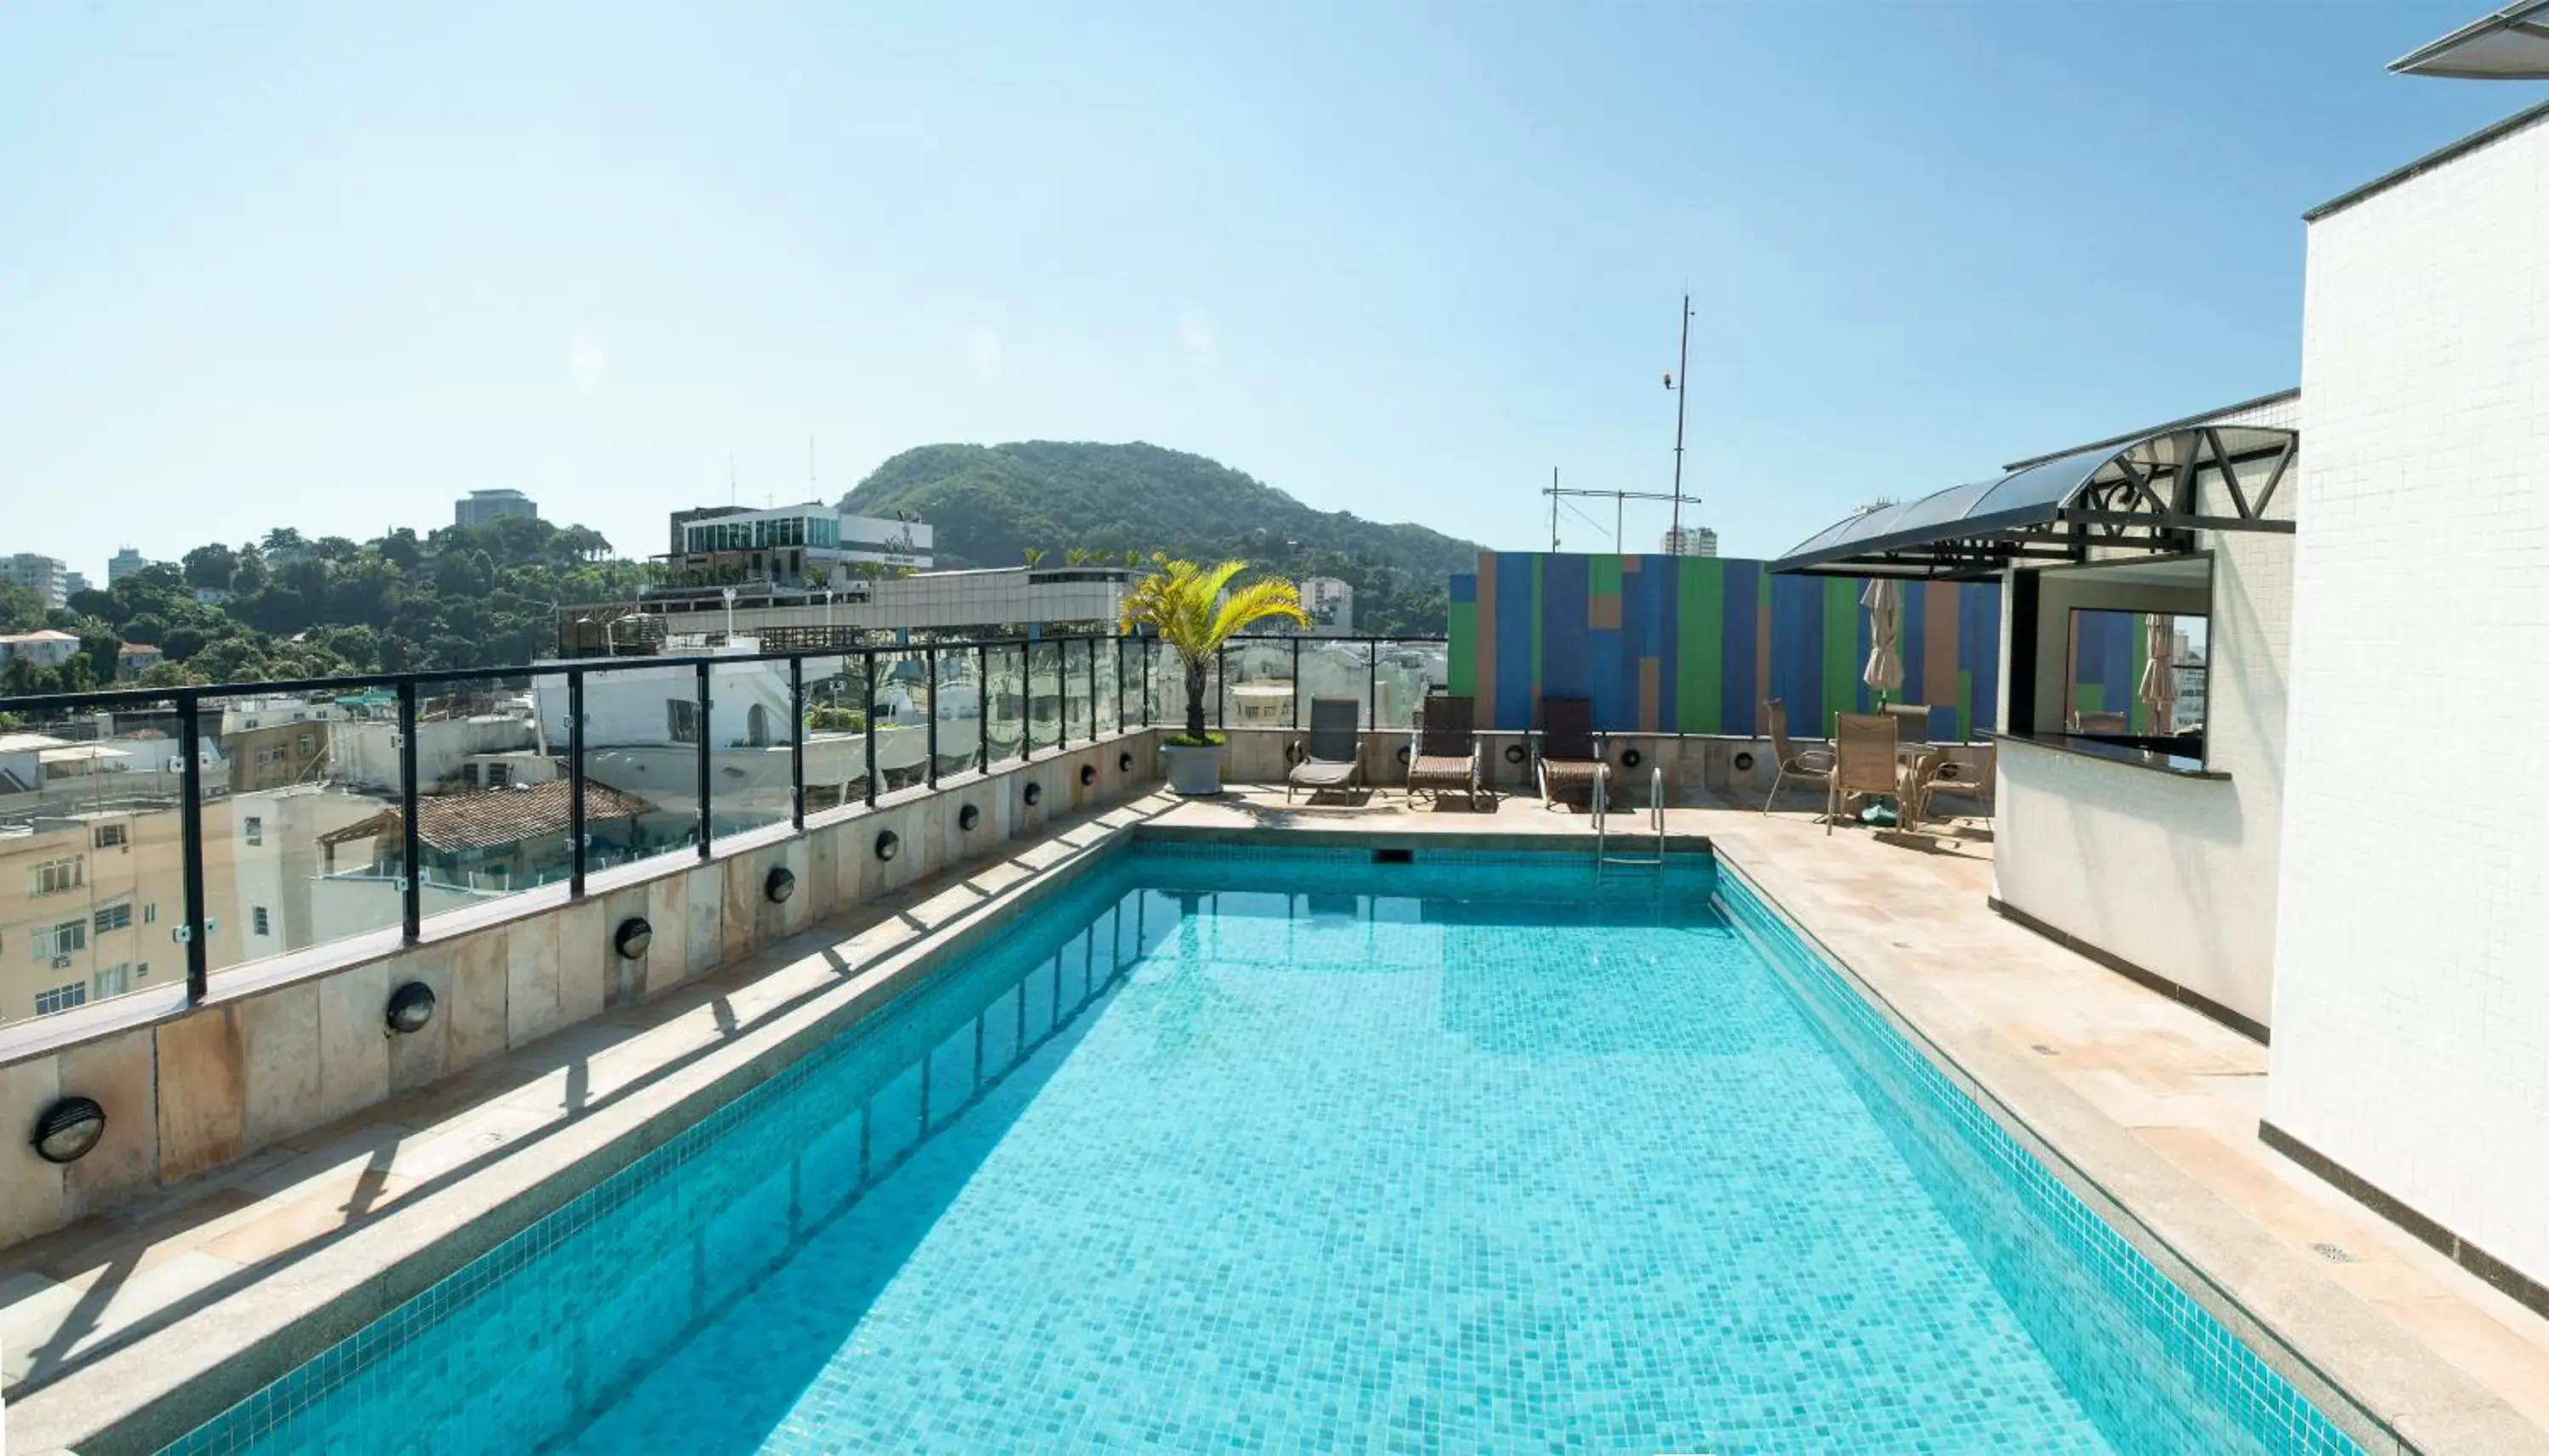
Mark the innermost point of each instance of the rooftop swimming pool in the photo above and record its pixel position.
(1288, 1150)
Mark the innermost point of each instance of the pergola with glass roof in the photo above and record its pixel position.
(2143, 494)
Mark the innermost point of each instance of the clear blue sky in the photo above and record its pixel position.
(332, 266)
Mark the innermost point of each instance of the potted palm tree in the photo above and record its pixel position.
(1195, 609)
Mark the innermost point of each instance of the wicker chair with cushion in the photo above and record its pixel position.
(1570, 760)
(1444, 754)
(1937, 773)
(1864, 762)
(1813, 764)
(1332, 756)
(2092, 722)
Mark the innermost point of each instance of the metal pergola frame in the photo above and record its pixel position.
(2144, 495)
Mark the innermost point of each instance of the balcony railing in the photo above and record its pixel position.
(223, 851)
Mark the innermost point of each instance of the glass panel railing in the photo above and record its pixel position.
(1044, 693)
(901, 724)
(1403, 673)
(749, 765)
(492, 807)
(640, 772)
(92, 858)
(1005, 715)
(1335, 669)
(304, 842)
(1111, 716)
(956, 705)
(1078, 704)
(1261, 687)
(836, 743)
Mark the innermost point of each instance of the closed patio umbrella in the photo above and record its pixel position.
(2158, 690)
(1883, 600)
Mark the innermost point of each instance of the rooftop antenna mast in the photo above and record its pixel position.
(1679, 384)
(731, 486)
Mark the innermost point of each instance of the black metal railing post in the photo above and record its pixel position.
(929, 655)
(1221, 686)
(190, 837)
(411, 838)
(981, 708)
(1296, 681)
(1093, 689)
(575, 811)
(867, 679)
(703, 705)
(1118, 645)
(796, 742)
(1026, 701)
(1149, 671)
(1061, 692)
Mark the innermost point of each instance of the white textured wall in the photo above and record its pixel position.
(2411, 1030)
(2175, 875)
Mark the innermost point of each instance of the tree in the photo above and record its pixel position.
(170, 674)
(1195, 611)
(211, 568)
(21, 610)
(1035, 557)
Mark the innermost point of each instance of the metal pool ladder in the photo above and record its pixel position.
(1602, 856)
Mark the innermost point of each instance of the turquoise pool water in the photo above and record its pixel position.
(1291, 1150)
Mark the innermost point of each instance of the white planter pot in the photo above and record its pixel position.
(1193, 771)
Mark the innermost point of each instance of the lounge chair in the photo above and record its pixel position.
(1570, 760)
(1444, 758)
(1864, 762)
(1936, 773)
(1332, 756)
(1814, 765)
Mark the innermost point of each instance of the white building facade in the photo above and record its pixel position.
(2410, 1059)
(478, 508)
(46, 576)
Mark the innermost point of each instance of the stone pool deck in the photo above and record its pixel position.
(2144, 1096)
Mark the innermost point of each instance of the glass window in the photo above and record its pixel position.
(114, 917)
(61, 998)
(259, 922)
(109, 835)
(2136, 674)
(681, 719)
(56, 876)
(150, 914)
(252, 829)
(66, 939)
(115, 981)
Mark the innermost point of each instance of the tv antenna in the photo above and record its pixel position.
(1619, 508)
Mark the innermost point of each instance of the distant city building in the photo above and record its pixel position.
(45, 648)
(682, 518)
(74, 584)
(481, 506)
(996, 602)
(1690, 542)
(122, 564)
(42, 575)
(807, 544)
(1330, 603)
(134, 658)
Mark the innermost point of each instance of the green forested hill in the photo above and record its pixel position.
(989, 504)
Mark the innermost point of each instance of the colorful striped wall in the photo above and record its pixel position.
(2108, 653)
(1666, 644)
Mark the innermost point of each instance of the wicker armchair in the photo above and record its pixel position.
(1864, 762)
(1937, 773)
(1813, 764)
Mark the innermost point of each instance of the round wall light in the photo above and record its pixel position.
(68, 1129)
(632, 938)
(779, 884)
(1631, 758)
(1402, 755)
(1034, 794)
(1124, 762)
(888, 844)
(411, 1006)
(1087, 774)
(1743, 763)
(967, 817)
(1514, 753)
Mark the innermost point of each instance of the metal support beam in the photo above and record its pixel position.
(575, 810)
(190, 840)
(411, 838)
(699, 751)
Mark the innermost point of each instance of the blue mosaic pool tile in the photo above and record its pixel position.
(1244, 1153)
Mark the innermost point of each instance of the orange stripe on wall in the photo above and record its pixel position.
(1486, 611)
(1939, 644)
(1650, 686)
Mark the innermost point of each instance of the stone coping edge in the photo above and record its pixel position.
(2391, 1392)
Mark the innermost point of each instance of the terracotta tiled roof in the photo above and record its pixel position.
(487, 818)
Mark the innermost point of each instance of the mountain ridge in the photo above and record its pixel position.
(988, 504)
